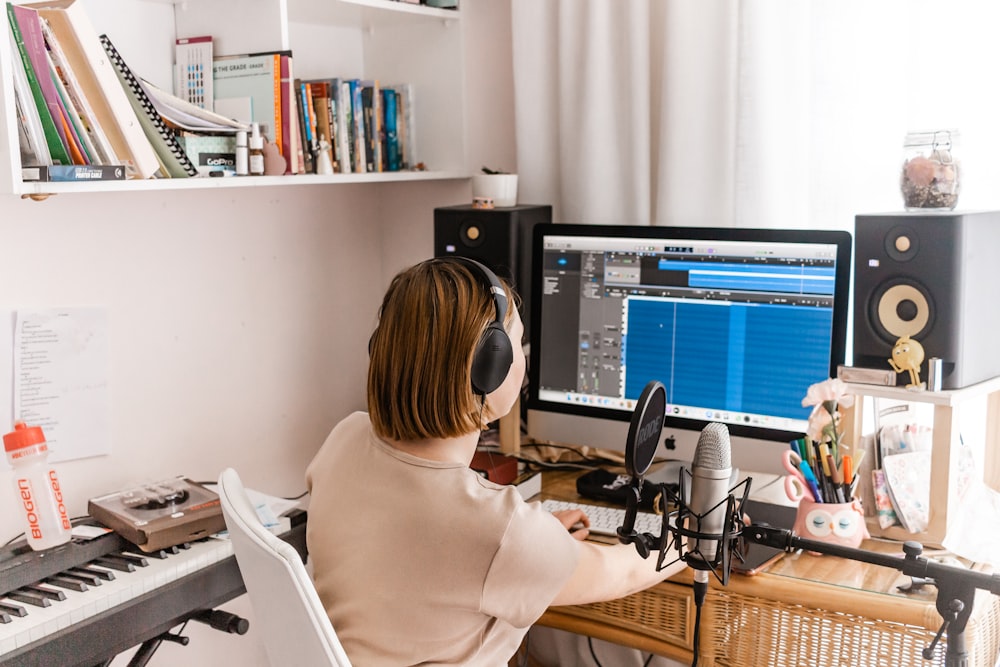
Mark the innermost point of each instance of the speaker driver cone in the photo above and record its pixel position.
(902, 310)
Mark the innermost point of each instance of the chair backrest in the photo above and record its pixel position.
(293, 624)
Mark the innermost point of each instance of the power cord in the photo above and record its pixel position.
(590, 645)
(593, 654)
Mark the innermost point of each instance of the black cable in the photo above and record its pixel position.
(13, 539)
(648, 660)
(700, 589)
(590, 645)
(73, 521)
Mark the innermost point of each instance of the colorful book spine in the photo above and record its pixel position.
(302, 111)
(288, 141)
(51, 125)
(102, 152)
(344, 124)
(392, 157)
(99, 82)
(73, 172)
(358, 115)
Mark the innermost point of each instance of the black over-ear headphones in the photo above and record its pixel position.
(494, 353)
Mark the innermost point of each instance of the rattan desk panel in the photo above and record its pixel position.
(802, 611)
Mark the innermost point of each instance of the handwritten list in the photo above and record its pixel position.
(60, 379)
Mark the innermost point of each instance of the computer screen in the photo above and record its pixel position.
(736, 324)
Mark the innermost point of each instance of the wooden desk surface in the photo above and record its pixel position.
(822, 586)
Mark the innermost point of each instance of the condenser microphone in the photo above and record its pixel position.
(711, 470)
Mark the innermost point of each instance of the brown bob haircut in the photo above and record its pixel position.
(419, 373)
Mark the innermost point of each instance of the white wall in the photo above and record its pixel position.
(239, 318)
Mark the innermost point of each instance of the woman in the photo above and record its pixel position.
(417, 558)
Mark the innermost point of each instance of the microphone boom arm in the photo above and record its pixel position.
(956, 586)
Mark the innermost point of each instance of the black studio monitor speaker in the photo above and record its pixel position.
(500, 238)
(934, 277)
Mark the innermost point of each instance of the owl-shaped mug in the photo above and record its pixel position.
(836, 523)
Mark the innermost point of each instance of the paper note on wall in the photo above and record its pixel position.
(60, 379)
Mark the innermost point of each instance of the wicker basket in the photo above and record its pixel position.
(733, 624)
(664, 612)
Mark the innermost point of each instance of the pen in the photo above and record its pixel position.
(810, 480)
(816, 462)
(847, 463)
(825, 464)
(836, 479)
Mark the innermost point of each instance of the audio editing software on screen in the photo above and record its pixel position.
(736, 331)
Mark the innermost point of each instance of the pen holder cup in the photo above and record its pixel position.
(836, 523)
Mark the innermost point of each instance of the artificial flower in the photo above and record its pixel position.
(826, 397)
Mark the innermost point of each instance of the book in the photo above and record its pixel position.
(186, 116)
(101, 150)
(358, 125)
(51, 125)
(256, 77)
(302, 111)
(405, 124)
(31, 135)
(393, 161)
(74, 172)
(344, 124)
(193, 71)
(34, 43)
(288, 140)
(175, 161)
(371, 106)
(99, 83)
(529, 484)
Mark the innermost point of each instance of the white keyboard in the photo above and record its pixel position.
(78, 606)
(607, 520)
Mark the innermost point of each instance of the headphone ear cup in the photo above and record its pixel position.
(492, 360)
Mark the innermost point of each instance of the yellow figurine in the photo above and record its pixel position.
(907, 355)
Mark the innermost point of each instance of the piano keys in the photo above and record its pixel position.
(111, 596)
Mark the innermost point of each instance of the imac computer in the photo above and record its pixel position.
(736, 324)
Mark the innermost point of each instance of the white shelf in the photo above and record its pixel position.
(203, 183)
(948, 397)
(949, 410)
(388, 40)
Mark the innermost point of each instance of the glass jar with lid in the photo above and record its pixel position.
(930, 174)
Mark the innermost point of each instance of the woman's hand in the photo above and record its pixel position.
(575, 521)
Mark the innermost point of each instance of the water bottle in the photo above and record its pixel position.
(39, 496)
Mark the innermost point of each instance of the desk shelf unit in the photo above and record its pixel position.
(388, 40)
(951, 409)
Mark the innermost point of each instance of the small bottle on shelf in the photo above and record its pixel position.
(256, 157)
(242, 154)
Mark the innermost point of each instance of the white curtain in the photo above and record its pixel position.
(760, 113)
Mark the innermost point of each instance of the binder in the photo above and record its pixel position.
(175, 161)
(99, 83)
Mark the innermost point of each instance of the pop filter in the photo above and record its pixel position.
(645, 429)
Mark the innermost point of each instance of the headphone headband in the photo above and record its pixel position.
(491, 282)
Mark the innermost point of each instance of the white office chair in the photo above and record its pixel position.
(292, 621)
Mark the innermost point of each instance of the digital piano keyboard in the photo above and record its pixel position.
(82, 603)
